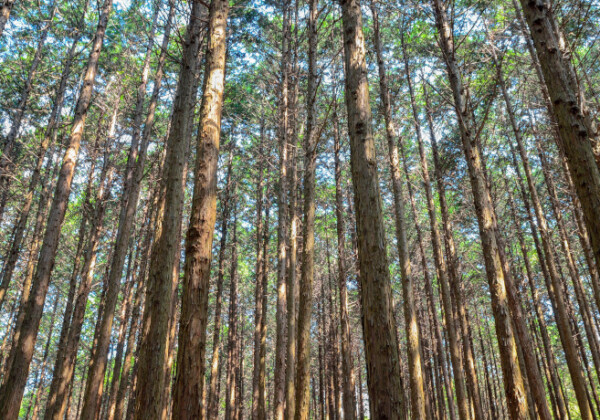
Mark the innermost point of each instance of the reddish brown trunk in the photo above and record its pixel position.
(380, 335)
(187, 393)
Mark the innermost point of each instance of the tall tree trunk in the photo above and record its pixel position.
(198, 249)
(498, 278)
(282, 241)
(380, 334)
(213, 394)
(440, 263)
(63, 372)
(12, 389)
(533, 373)
(258, 412)
(417, 389)
(231, 401)
(456, 292)
(553, 286)
(302, 385)
(348, 378)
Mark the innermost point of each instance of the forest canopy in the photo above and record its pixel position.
(299, 209)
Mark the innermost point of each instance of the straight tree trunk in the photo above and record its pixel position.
(554, 289)
(233, 356)
(213, 394)
(380, 334)
(533, 373)
(302, 385)
(189, 381)
(282, 241)
(63, 372)
(498, 278)
(348, 378)
(440, 263)
(413, 335)
(259, 311)
(12, 389)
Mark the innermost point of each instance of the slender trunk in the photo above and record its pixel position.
(348, 378)
(213, 394)
(417, 390)
(549, 356)
(231, 400)
(305, 304)
(380, 334)
(259, 291)
(12, 390)
(189, 381)
(498, 278)
(282, 242)
(584, 308)
(440, 264)
(533, 373)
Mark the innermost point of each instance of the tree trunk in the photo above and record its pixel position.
(233, 369)
(258, 411)
(198, 249)
(302, 385)
(417, 390)
(498, 279)
(380, 335)
(12, 390)
(348, 378)
(282, 242)
(440, 264)
(213, 394)
(49, 138)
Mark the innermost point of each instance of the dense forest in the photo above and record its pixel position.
(299, 209)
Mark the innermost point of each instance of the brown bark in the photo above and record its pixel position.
(63, 372)
(213, 394)
(282, 240)
(553, 283)
(417, 390)
(533, 373)
(440, 264)
(498, 278)
(233, 355)
(380, 335)
(348, 378)
(189, 380)
(12, 389)
(302, 384)
(584, 308)
(258, 409)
